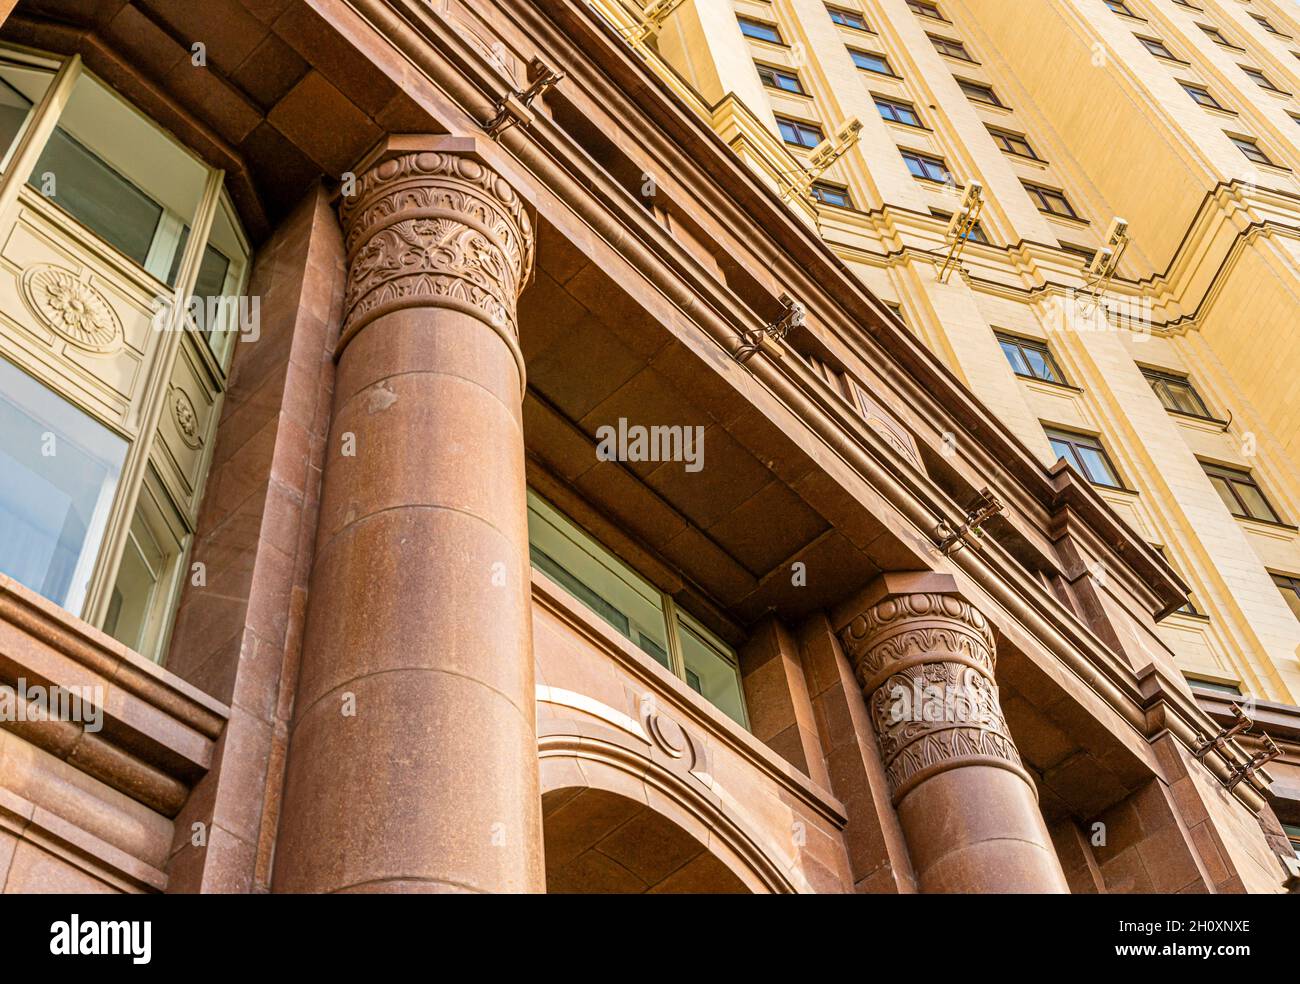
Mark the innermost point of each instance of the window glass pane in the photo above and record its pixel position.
(1225, 493)
(1095, 465)
(595, 577)
(1256, 504)
(137, 580)
(1038, 362)
(21, 87)
(58, 473)
(1063, 450)
(1290, 588)
(117, 173)
(708, 672)
(1014, 356)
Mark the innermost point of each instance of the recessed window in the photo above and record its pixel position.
(1083, 252)
(1189, 607)
(1292, 832)
(1251, 149)
(1200, 95)
(1217, 36)
(831, 194)
(1289, 585)
(871, 62)
(1176, 393)
(1214, 686)
(799, 133)
(1086, 454)
(1012, 143)
(925, 9)
(897, 111)
(1050, 200)
(949, 47)
(1156, 47)
(979, 92)
(926, 166)
(780, 78)
(759, 30)
(1239, 493)
(636, 609)
(1030, 358)
(1188, 4)
(1120, 7)
(848, 18)
(1259, 78)
(1264, 22)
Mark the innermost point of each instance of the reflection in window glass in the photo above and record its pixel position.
(596, 578)
(21, 88)
(58, 473)
(708, 672)
(137, 581)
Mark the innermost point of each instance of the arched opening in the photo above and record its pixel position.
(598, 842)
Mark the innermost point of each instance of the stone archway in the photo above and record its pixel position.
(600, 842)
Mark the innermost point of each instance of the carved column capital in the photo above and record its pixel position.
(435, 228)
(925, 663)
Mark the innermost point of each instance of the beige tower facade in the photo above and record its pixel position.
(1180, 401)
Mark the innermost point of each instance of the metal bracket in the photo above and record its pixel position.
(764, 339)
(515, 107)
(1252, 765)
(1215, 744)
(953, 539)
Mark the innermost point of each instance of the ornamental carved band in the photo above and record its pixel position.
(925, 664)
(432, 229)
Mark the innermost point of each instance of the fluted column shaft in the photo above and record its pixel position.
(413, 761)
(967, 807)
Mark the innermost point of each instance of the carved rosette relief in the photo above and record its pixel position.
(431, 229)
(925, 664)
(71, 308)
(187, 420)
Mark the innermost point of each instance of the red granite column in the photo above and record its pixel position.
(924, 658)
(413, 759)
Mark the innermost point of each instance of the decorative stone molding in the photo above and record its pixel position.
(431, 228)
(187, 419)
(71, 308)
(925, 663)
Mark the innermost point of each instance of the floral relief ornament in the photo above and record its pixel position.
(71, 308)
(187, 421)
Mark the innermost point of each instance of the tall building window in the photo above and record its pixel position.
(1086, 454)
(1217, 36)
(779, 78)
(1237, 489)
(1214, 686)
(1030, 358)
(897, 111)
(979, 92)
(831, 194)
(848, 18)
(759, 30)
(926, 166)
(925, 9)
(636, 609)
(1259, 78)
(976, 233)
(1120, 7)
(1176, 393)
(96, 511)
(871, 62)
(1156, 47)
(1200, 95)
(1267, 25)
(1050, 200)
(799, 133)
(1292, 831)
(1289, 585)
(949, 47)
(1012, 143)
(1252, 150)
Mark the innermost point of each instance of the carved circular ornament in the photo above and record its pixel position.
(72, 309)
(187, 421)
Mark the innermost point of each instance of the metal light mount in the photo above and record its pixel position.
(765, 339)
(953, 539)
(1247, 770)
(824, 155)
(653, 16)
(514, 107)
(1240, 723)
(964, 221)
